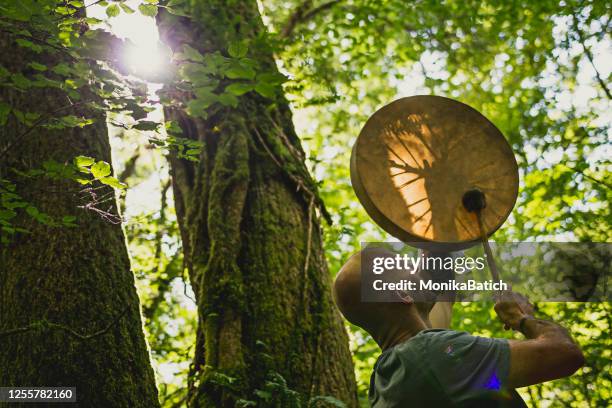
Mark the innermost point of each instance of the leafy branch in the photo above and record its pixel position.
(589, 55)
(304, 13)
(40, 121)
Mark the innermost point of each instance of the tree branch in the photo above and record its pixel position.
(589, 55)
(30, 37)
(593, 179)
(37, 123)
(130, 167)
(304, 13)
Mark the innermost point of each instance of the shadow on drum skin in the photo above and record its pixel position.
(418, 137)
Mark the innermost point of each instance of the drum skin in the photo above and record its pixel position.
(414, 160)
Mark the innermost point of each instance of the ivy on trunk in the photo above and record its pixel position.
(248, 213)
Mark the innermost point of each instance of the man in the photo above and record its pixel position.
(424, 367)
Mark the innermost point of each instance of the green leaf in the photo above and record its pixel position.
(149, 10)
(5, 109)
(64, 11)
(146, 125)
(62, 69)
(228, 99)
(32, 211)
(21, 81)
(82, 180)
(264, 395)
(83, 161)
(29, 44)
(37, 66)
(205, 96)
(193, 152)
(20, 10)
(271, 78)
(69, 221)
(113, 182)
(100, 169)
(239, 88)
(4, 72)
(7, 214)
(113, 10)
(197, 108)
(191, 54)
(328, 400)
(238, 49)
(127, 9)
(73, 121)
(173, 128)
(266, 89)
(177, 11)
(27, 118)
(239, 71)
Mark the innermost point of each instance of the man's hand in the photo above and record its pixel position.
(549, 351)
(511, 307)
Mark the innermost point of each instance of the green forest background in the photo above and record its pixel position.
(539, 70)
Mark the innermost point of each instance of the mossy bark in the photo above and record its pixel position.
(69, 311)
(248, 217)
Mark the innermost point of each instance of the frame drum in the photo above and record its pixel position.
(415, 159)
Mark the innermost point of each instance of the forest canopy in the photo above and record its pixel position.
(216, 135)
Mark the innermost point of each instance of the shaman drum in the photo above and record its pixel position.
(415, 159)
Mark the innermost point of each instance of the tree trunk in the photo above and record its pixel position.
(69, 311)
(248, 217)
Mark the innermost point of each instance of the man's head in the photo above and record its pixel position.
(377, 318)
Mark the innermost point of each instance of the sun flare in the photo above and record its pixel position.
(144, 55)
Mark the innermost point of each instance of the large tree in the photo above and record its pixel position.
(69, 312)
(248, 213)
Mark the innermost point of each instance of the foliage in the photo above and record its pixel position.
(531, 67)
(187, 149)
(169, 314)
(276, 393)
(217, 80)
(70, 57)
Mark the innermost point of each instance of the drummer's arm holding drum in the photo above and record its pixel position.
(441, 315)
(442, 312)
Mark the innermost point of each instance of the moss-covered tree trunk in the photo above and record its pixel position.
(248, 217)
(69, 311)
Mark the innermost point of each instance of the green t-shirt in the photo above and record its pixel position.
(443, 368)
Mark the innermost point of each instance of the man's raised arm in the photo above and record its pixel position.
(548, 353)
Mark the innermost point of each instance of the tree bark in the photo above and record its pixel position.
(247, 211)
(69, 311)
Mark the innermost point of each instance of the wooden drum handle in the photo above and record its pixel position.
(474, 201)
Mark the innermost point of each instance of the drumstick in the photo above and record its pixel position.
(474, 201)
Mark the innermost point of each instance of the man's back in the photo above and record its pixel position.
(438, 368)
